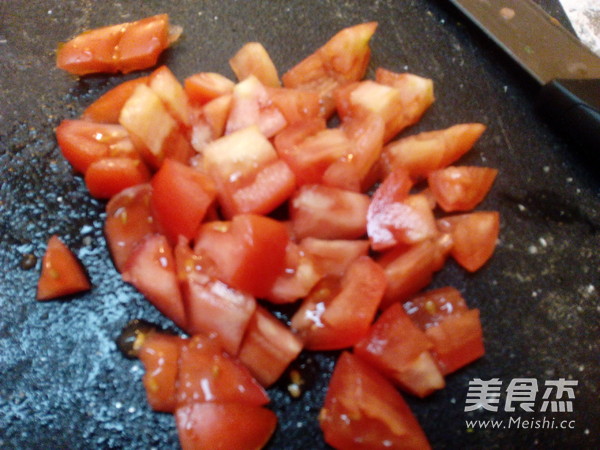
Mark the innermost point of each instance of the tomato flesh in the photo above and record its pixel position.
(328, 213)
(212, 307)
(363, 410)
(401, 351)
(268, 347)
(61, 274)
(106, 177)
(474, 237)
(337, 314)
(151, 269)
(106, 108)
(461, 188)
(253, 59)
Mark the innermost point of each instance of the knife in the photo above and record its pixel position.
(568, 72)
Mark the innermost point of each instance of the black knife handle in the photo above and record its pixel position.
(574, 106)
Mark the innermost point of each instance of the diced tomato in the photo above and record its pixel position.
(224, 426)
(351, 172)
(397, 108)
(457, 340)
(154, 132)
(363, 410)
(181, 196)
(160, 355)
(416, 96)
(310, 158)
(253, 59)
(328, 213)
(106, 108)
(249, 252)
(269, 347)
(298, 278)
(431, 150)
(337, 314)
(107, 177)
(296, 105)
(212, 307)
(216, 113)
(251, 106)
(61, 274)
(432, 307)
(333, 257)
(453, 329)
(82, 142)
(117, 48)
(208, 374)
(295, 133)
(391, 219)
(474, 237)
(128, 220)
(343, 59)
(461, 188)
(203, 87)
(248, 175)
(171, 92)
(410, 269)
(400, 350)
(151, 269)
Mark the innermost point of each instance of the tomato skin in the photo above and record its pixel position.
(82, 142)
(253, 59)
(425, 152)
(363, 410)
(61, 273)
(224, 426)
(117, 48)
(107, 107)
(128, 220)
(160, 356)
(208, 374)
(151, 269)
(400, 350)
(328, 213)
(268, 347)
(461, 188)
(212, 307)
(181, 196)
(337, 315)
(107, 177)
(474, 237)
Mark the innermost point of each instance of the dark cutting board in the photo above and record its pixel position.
(63, 383)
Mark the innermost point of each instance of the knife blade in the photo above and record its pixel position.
(568, 72)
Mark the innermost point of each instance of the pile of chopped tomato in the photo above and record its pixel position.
(221, 193)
